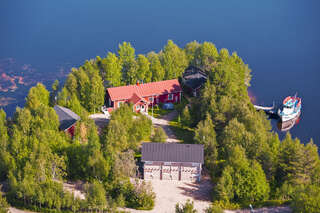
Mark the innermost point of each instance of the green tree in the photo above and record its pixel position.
(144, 72)
(174, 60)
(37, 96)
(159, 135)
(96, 196)
(206, 55)
(127, 57)
(205, 134)
(112, 67)
(155, 67)
(307, 199)
(191, 49)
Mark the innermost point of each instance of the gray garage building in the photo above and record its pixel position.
(172, 161)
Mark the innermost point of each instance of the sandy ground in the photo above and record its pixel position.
(169, 193)
(279, 209)
(163, 122)
(14, 210)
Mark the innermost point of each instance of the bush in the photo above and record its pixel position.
(159, 135)
(3, 204)
(214, 209)
(188, 207)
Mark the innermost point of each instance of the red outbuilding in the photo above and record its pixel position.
(145, 95)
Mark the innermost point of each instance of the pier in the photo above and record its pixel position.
(270, 110)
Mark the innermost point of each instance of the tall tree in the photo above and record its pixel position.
(144, 72)
(155, 67)
(174, 60)
(112, 67)
(191, 49)
(206, 135)
(37, 96)
(127, 56)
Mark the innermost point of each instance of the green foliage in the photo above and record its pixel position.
(174, 60)
(144, 73)
(96, 196)
(159, 135)
(37, 96)
(126, 131)
(307, 199)
(127, 57)
(205, 134)
(214, 209)
(186, 117)
(111, 67)
(188, 207)
(155, 67)
(4, 207)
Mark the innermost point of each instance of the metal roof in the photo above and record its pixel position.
(144, 90)
(172, 152)
(66, 117)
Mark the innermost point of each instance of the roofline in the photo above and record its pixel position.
(70, 126)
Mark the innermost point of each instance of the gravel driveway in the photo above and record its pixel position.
(163, 122)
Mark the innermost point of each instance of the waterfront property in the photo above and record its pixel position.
(193, 80)
(172, 161)
(67, 119)
(142, 96)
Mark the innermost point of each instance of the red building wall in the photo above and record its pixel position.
(157, 99)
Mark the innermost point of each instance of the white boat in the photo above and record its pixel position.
(291, 108)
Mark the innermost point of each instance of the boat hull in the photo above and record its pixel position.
(293, 116)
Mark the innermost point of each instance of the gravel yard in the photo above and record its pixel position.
(169, 193)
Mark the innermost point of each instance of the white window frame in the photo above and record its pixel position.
(138, 107)
(151, 99)
(170, 97)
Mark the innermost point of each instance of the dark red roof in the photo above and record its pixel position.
(144, 90)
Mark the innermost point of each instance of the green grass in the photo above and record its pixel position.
(183, 133)
(158, 111)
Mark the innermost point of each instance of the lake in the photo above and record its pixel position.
(280, 40)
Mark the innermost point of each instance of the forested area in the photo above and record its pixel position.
(246, 160)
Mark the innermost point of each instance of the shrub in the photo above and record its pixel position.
(188, 207)
(159, 135)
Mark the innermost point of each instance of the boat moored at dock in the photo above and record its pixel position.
(290, 109)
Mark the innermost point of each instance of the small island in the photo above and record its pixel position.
(100, 168)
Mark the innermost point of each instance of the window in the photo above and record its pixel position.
(151, 99)
(170, 96)
(167, 163)
(137, 107)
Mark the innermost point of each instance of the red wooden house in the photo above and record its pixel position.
(145, 95)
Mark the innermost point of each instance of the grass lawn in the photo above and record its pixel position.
(183, 133)
(158, 111)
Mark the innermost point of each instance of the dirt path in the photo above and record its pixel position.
(14, 210)
(163, 122)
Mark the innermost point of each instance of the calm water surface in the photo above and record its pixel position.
(280, 40)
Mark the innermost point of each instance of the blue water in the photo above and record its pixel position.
(280, 40)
